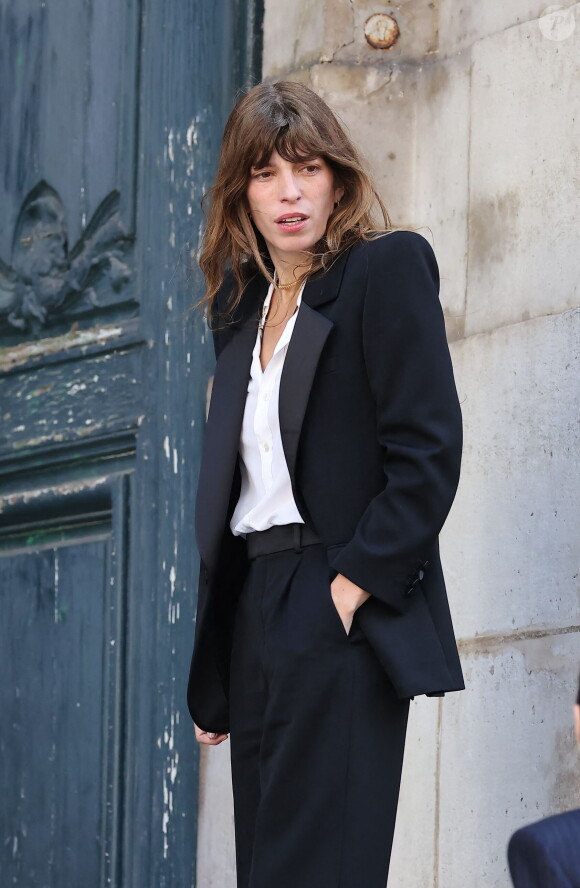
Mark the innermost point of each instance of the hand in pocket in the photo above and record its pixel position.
(347, 598)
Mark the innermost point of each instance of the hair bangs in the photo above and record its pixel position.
(294, 139)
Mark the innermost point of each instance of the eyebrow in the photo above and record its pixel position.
(308, 159)
(260, 166)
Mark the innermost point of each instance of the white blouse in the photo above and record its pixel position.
(266, 494)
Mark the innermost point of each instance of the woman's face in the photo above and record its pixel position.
(290, 204)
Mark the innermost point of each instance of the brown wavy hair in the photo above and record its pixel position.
(292, 119)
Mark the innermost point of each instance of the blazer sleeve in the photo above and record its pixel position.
(418, 420)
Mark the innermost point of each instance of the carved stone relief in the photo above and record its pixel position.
(45, 282)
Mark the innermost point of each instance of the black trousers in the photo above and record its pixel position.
(316, 732)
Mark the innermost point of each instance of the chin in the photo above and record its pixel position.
(296, 244)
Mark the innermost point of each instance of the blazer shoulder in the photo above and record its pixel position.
(400, 250)
(399, 244)
(404, 259)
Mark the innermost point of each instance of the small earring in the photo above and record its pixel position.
(336, 204)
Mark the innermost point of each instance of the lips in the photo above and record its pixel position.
(292, 221)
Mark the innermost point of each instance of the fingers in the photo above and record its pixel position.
(346, 619)
(346, 615)
(347, 623)
(210, 738)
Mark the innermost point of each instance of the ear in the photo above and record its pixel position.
(338, 194)
(577, 723)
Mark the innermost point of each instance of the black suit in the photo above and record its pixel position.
(371, 430)
(546, 854)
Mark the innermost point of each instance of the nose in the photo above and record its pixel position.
(289, 186)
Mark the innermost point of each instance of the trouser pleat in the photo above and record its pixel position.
(317, 735)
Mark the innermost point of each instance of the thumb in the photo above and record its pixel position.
(211, 735)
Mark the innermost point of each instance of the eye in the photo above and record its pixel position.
(261, 174)
(311, 168)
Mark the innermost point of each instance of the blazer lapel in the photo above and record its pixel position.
(223, 427)
(306, 343)
(230, 385)
(310, 333)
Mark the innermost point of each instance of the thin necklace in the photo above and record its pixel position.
(277, 324)
(279, 286)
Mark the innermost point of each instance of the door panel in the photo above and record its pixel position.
(111, 121)
(71, 113)
(64, 626)
(52, 613)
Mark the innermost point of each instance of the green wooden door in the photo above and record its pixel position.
(110, 118)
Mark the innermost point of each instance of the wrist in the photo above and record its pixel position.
(348, 593)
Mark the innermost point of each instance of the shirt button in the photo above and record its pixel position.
(266, 447)
(266, 396)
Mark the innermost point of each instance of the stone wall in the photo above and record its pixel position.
(470, 122)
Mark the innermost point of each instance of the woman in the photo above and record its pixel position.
(331, 459)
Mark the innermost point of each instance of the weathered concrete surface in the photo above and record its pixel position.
(462, 25)
(508, 756)
(419, 782)
(216, 856)
(305, 32)
(417, 22)
(440, 185)
(510, 546)
(523, 177)
(300, 34)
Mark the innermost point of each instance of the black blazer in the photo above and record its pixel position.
(371, 430)
(546, 854)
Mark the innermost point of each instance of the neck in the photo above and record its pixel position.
(286, 290)
(290, 268)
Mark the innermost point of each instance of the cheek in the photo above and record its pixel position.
(326, 207)
(256, 210)
(254, 199)
(326, 202)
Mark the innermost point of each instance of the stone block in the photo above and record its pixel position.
(508, 755)
(413, 857)
(524, 160)
(306, 32)
(510, 546)
(216, 853)
(303, 33)
(292, 35)
(461, 25)
(416, 24)
(440, 176)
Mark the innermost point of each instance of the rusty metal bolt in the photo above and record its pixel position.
(381, 31)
